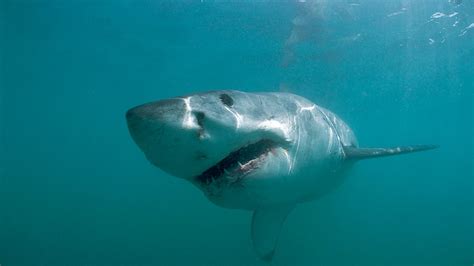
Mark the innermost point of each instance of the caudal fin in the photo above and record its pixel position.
(353, 153)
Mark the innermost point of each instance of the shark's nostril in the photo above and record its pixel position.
(200, 118)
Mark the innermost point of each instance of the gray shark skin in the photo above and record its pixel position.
(263, 152)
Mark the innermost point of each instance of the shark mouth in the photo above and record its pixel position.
(238, 163)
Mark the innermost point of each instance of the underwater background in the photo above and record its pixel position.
(76, 190)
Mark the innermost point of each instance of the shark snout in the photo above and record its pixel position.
(170, 133)
(154, 122)
(156, 110)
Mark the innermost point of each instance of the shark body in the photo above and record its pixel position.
(263, 152)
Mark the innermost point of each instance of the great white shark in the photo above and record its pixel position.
(263, 152)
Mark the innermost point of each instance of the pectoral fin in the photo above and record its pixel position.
(266, 227)
(353, 153)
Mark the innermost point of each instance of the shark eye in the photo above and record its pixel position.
(226, 99)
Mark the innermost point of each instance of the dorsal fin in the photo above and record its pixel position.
(353, 153)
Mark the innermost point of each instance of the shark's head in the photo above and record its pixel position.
(218, 140)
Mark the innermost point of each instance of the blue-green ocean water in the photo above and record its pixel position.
(75, 190)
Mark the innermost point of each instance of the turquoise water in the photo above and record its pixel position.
(75, 190)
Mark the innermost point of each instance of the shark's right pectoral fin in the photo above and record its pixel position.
(353, 153)
(266, 227)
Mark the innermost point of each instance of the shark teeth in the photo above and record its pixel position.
(239, 162)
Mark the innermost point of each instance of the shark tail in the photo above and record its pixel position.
(353, 153)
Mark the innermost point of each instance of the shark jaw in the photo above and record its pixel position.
(239, 163)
